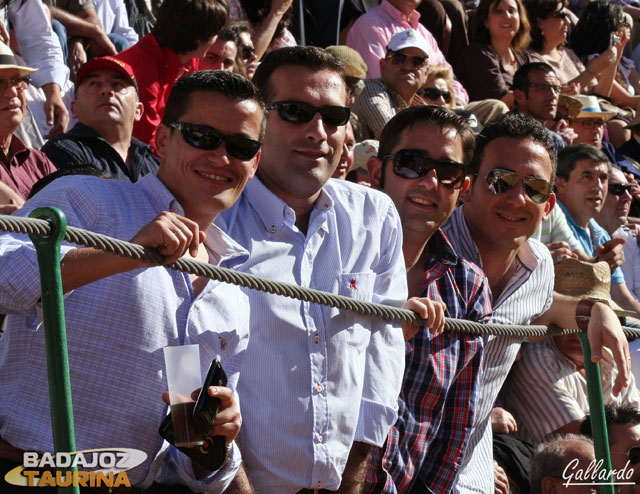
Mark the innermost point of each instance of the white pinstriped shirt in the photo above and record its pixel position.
(528, 294)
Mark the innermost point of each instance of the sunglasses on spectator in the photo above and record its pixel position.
(299, 112)
(412, 163)
(619, 189)
(398, 58)
(20, 83)
(247, 51)
(633, 455)
(208, 138)
(541, 86)
(433, 93)
(561, 14)
(500, 181)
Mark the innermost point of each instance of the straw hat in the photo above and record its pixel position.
(634, 123)
(591, 108)
(587, 280)
(573, 105)
(8, 65)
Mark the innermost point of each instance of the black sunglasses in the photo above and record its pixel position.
(633, 455)
(434, 93)
(247, 51)
(400, 58)
(619, 189)
(561, 14)
(208, 138)
(500, 181)
(413, 163)
(299, 112)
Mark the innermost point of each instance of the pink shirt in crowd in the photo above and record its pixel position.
(371, 33)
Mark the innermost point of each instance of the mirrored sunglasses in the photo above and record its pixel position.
(398, 58)
(299, 112)
(500, 181)
(208, 138)
(619, 189)
(434, 93)
(413, 163)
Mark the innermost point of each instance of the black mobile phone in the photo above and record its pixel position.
(206, 408)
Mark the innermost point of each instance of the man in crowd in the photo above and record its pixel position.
(581, 182)
(422, 164)
(403, 72)
(319, 386)
(512, 171)
(106, 106)
(120, 312)
(222, 53)
(21, 166)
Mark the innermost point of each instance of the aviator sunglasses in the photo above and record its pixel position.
(619, 189)
(434, 93)
(412, 163)
(500, 181)
(398, 58)
(299, 112)
(208, 138)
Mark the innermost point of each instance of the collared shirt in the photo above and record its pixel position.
(590, 239)
(38, 44)
(545, 390)
(631, 266)
(556, 229)
(83, 146)
(116, 330)
(377, 104)
(315, 378)
(23, 167)
(527, 295)
(441, 382)
(157, 68)
(115, 20)
(371, 32)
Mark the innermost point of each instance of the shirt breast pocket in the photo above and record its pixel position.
(360, 287)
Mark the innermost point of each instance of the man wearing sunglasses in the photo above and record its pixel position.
(319, 386)
(403, 71)
(512, 170)
(421, 164)
(583, 175)
(120, 313)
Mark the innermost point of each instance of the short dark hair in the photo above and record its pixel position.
(183, 24)
(516, 126)
(229, 34)
(569, 156)
(439, 116)
(310, 57)
(521, 77)
(613, 415)
(230, 85)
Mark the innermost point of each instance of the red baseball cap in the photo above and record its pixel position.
(108, 63)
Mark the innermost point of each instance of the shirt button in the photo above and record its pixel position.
(320, 438)
(288, 213)
(316, 338)
(319, 388)
(273, 228)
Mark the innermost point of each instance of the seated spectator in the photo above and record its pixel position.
(246, 59)
(499, 38)
(21, 166)
(106, 106)
(555, 233)
(631, 148)
(403, 72)
(222, 53)
(362, 151)
(438, 90)
(355, 70)
(183, 33)
(551, 459)
(372, 32)
(346, 158)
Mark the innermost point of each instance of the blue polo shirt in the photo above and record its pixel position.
(590, 243)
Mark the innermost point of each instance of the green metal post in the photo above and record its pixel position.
(596, 407)
(48, 251)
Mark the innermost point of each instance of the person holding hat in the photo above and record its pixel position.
(21, 166)
(403, 72)
(106, 105)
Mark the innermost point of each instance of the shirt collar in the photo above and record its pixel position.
(441, 249)
(17, 150)
(398, 16)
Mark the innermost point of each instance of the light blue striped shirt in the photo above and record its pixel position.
(527, 295)
(116, 329)
(315, 378)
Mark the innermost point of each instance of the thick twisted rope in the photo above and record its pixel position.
(133, 251)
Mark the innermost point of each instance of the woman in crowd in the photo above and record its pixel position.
(500, 36)
(246, 60)
(438, 90)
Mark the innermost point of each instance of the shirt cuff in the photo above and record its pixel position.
(374, 422)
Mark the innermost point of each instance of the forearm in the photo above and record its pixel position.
(75, 25)
(240, 483)
(263, 32)
(354, 471)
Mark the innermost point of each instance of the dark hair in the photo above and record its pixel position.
(540, 9)
(441, 117)
(230, 85)
(237, 28)
(515, 126)
(228, 34)
(309, 57)
(569, 156)
(183, 24)
(480, 33)
(521, 77)
(89, 170)
(593, 31)
(258, 10)
(614, 415)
